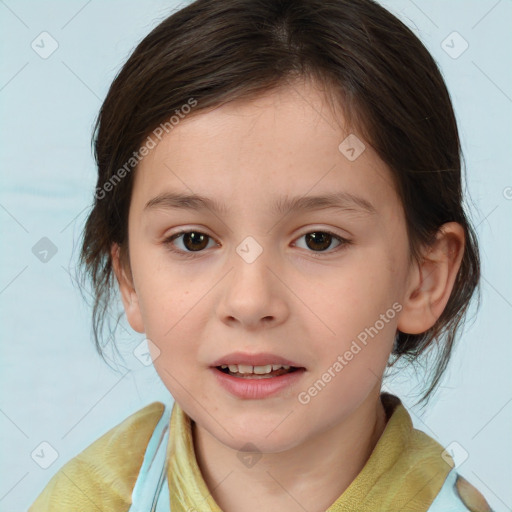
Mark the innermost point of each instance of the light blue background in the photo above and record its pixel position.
(55, 388)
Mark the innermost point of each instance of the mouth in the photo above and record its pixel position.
(249, 382)
(257, 372)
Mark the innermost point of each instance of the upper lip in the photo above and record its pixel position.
(261, 359)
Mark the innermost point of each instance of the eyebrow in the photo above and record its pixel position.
(343, 201)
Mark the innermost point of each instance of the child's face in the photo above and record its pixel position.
(294, 300)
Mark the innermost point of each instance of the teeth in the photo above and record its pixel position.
(258, 370)
(243, 368)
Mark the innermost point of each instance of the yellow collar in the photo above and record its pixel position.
(404, 472)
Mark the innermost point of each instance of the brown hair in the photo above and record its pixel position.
(216, 51)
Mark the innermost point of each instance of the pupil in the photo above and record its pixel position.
(322, 240)
(195, 238)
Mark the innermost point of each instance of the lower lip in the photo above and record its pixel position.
(257, 388)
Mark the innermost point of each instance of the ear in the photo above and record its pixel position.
(127, 290)
(431, 281)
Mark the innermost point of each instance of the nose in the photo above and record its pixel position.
(253, 296)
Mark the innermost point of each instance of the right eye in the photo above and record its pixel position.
(193, 241)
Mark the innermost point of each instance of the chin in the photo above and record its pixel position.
(252, 437)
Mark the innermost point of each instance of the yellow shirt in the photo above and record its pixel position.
(405, 471)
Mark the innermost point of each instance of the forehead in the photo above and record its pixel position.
(247, 154)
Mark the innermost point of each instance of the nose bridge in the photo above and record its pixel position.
(250, 262)
(252, 292)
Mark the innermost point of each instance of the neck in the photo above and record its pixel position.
(311, 476)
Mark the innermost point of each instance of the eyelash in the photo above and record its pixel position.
(168, 242)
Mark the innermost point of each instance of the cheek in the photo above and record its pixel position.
(166, 299)
(160, 286)
(359, 290)
(355, 306)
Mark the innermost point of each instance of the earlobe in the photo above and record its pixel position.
(431, 280)
(127, 290)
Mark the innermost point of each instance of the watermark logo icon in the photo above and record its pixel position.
(454, 45)
(249, 250)
(454, 454)
(249, 455)
(351, 147)
(44, 250)
(44, 45)
(146, 352)
(44, 455)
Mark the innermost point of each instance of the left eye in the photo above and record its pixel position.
(319, 241)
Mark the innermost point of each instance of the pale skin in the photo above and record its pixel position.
(293, 300)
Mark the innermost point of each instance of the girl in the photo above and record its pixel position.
(279, 202)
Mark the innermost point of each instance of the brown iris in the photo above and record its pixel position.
(318, 240)
(195, 241)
